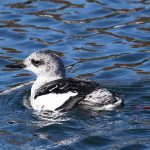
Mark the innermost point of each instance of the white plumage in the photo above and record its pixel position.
(51, 101)
(53, 91)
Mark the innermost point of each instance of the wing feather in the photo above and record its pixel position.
(60, 86)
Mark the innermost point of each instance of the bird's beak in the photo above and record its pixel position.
(18, 65)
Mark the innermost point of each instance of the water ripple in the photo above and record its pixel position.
(106, 41)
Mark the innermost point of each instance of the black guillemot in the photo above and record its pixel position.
(54, 92)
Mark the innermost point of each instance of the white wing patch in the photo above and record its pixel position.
(51, 101)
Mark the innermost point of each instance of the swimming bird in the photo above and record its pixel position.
(53, 91)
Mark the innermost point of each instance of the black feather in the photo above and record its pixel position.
(60, 86)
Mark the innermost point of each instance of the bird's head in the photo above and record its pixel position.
(42, 63)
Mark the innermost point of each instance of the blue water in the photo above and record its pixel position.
(107, 41)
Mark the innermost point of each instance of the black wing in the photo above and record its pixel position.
(80, 86)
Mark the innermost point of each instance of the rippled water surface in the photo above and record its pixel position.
(103, 40)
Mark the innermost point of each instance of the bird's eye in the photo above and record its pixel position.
(36, 62)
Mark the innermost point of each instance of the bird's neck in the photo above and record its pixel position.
(40, 81)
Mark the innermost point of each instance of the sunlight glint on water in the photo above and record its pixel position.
(105, 41)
